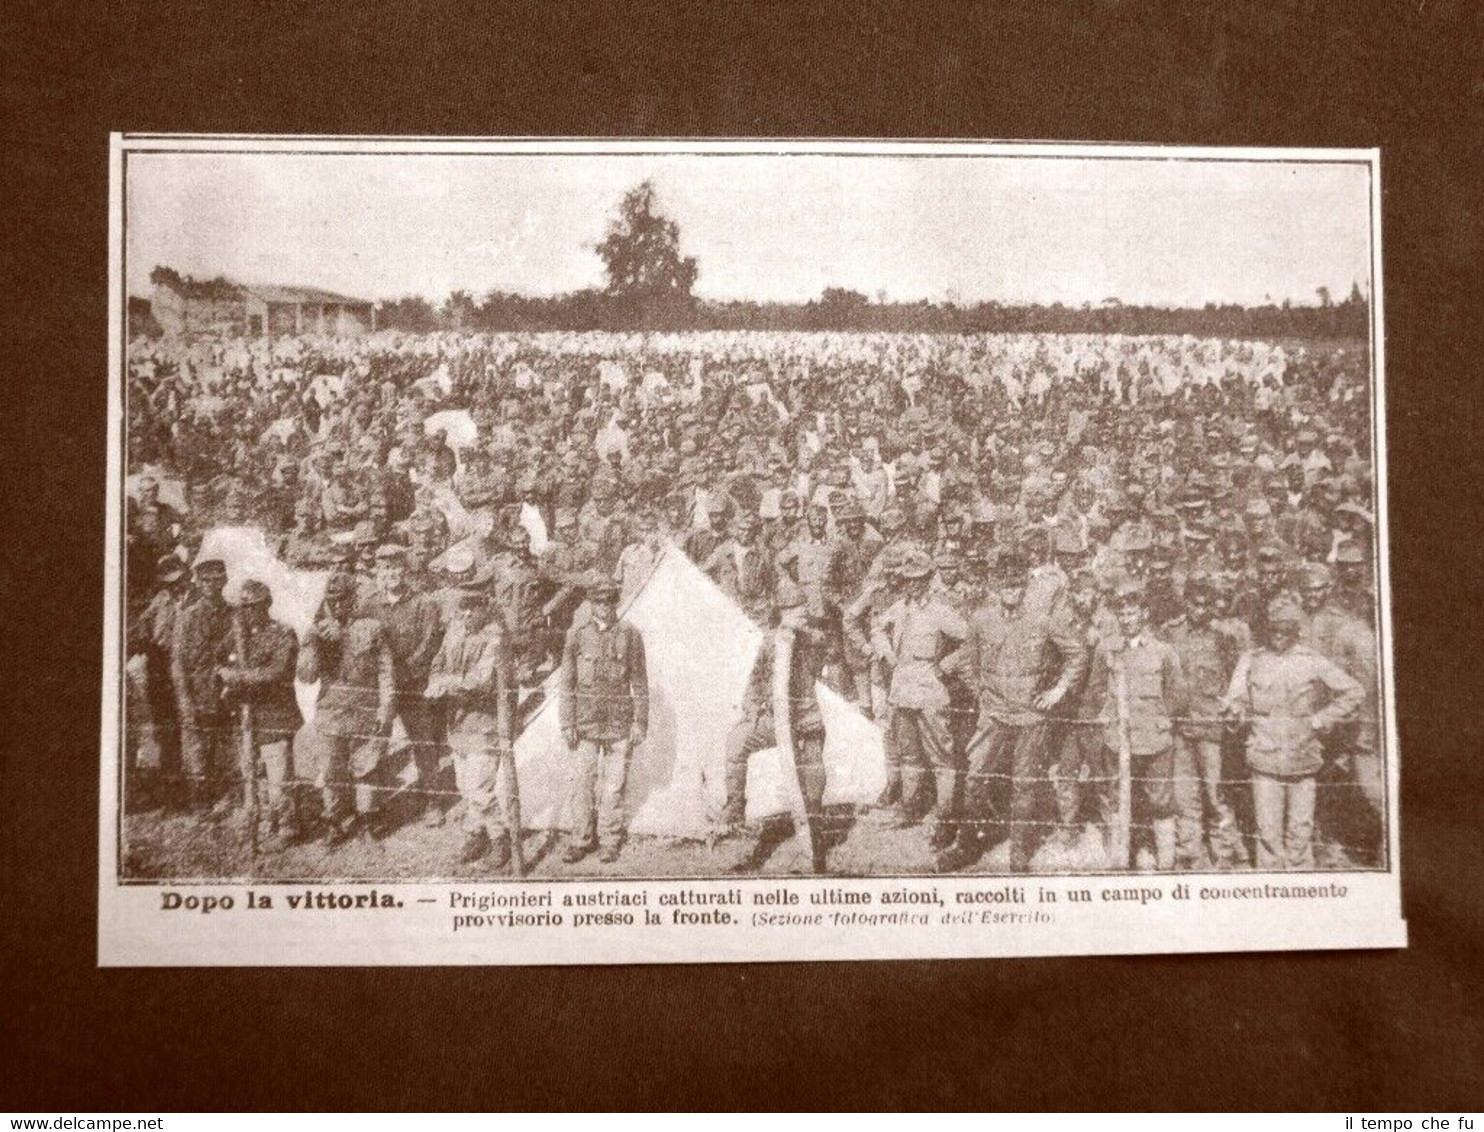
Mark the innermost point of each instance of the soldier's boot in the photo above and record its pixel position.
(817, 856)
(576, 850)
(610, 850)
(500, 852)
(476, 845)
(338, 831)
(943, 834)
(964, 851)
(742, 857)
(1164, 844)
(891, 794)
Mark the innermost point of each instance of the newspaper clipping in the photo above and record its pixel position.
(552, 552)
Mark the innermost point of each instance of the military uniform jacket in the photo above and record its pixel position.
(470, 673)
(266, 680)
(355, 677)
(202, 631)
(808, 667)
(919, 636)
(605, 687)
(1156, 692)
(1288, 699)
(1208, 656)
(744, 575)
(1338, 635)
(414, 629)
(1012, 659)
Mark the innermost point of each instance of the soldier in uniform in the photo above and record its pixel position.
(1352, 763)
(261, 676)
(1145, 674)
(1022, 662)
(918, 636)
(201, 633)
(756, 731)
(413, 628)
(470, 681)
(741, 567)
(604, 711)
(1288, 695)
(156, 633)
(1208, 655)
(350, 658)
(1075, 740)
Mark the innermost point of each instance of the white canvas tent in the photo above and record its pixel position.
(699, 647)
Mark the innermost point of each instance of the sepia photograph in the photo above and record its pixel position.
(513, 513)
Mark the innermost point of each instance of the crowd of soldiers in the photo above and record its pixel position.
(1083, 583)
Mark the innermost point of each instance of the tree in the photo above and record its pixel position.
(641, 251)
(1324, 299)
(458, 310)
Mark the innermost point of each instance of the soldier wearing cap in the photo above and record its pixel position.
(1208, 651)
(1138, 686)
(202, 630)
(1353, 584)
(757, 731)
(604, 713)
(701, 542)
(261, 676)
(413, 628)
(918, 636)
(153, 632)
(813, 563)
(350, 658)
(743, 570)
(1352, 762)
(470, 681)
(1076, 739)
(1021, 662)
(1288, 696)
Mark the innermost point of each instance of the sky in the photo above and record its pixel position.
(782, 228)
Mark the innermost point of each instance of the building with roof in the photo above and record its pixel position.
(222, 308)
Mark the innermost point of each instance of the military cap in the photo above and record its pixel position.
(1199, 583)
(1128, 589)
(915, 564)
(849, 508)
(391, 552)
(1069, 540)
(1013, 566)
(340, 585)
(1197, 533)
(1257, 508)
(600, 585)
(211, 566)
(1317, 576)
(1270, 552)
(254, 592)
(893, 518)
(985, 512)
(1132, 540)
(364, 533)
(476, 579)
(170, 568)
(716, 505)
(1282, 610)
(1351, 553)
(565, 517)
(1357, 510)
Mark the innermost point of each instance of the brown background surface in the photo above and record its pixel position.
(1338, 1031)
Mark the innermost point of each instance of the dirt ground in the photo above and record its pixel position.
(161, 845)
